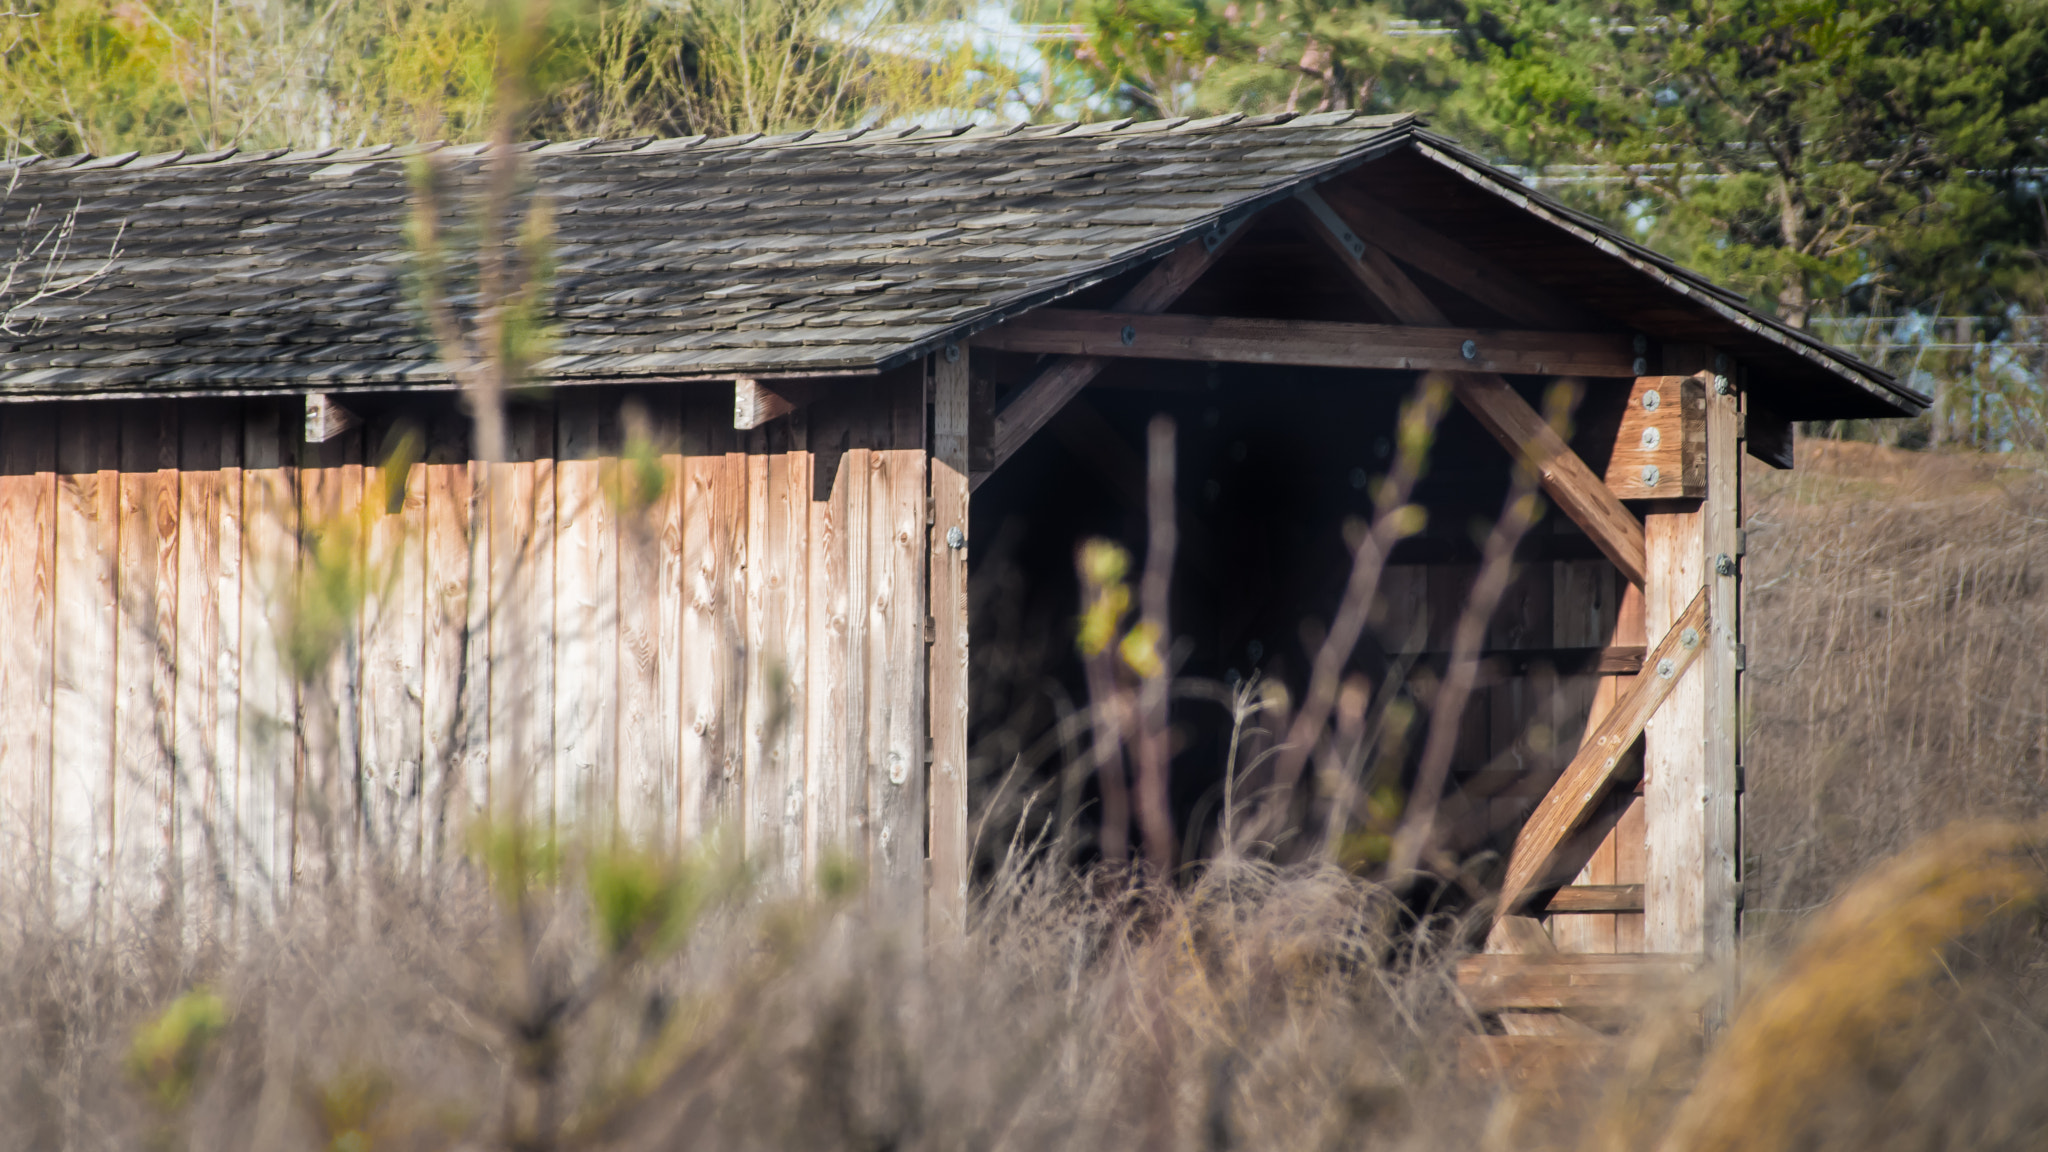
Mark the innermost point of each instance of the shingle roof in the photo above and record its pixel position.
(805, 254)
(774, 256)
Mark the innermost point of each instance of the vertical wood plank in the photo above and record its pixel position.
(141, 791)
(1721, 559)
(649, 612)
(224, 816)
(896, 677)
(196, 761)
(1674, 748)
(268, 712)
(332, 800)
(583, 612)
(1674, 742)
(1630, 837)
(454, 671)
(1583, 612)
(82, 744)
(162, 787)
(1447, 589)
(534, 440)
(829, 757)
(521, 633)
(394, 649)
(28, 510)
(713, 643)
(856, 469)
(1523, 619)
(947, 570)
(778, 533)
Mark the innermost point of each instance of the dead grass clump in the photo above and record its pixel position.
(1259, 1009)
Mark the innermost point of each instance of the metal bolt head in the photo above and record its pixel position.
(1689, 639)
(1641, 367)
(1652, 438)
(1651, 399)
(1129, 335)
(1469, 349)
(955, 538)
(1651, 475)
(1724, 565)
(952, 353)
(1723, 386)
(1667, 668)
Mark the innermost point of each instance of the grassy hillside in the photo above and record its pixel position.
(1898, 658)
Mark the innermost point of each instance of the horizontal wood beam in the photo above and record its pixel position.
(1587, 898)
(1309, 343)
(1592, 772)
(1613, 660)
(756, 402)
(1563, 981)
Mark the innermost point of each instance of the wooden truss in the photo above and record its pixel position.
(1672, 421)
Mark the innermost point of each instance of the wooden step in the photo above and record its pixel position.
(1535, 1061)
(1566, 981)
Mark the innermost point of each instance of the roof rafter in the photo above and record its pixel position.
(1063, 380)
(1521, 429)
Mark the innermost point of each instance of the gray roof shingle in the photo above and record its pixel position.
(801, 254)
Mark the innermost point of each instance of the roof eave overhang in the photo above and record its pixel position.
(1864, 378)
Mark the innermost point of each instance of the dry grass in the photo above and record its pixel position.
(1257, 1010)
(1898, 628)
(1893, 619)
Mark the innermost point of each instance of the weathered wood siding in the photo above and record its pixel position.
(234, 662)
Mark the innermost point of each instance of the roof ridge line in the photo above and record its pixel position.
(136, 161)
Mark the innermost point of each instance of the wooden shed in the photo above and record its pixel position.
(796, 382)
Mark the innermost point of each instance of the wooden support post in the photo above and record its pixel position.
(1721, 772)
(1043, 398)
(952, 423)
(1674, 751)
(1128, 335)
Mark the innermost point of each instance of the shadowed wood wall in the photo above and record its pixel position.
(235, 661)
